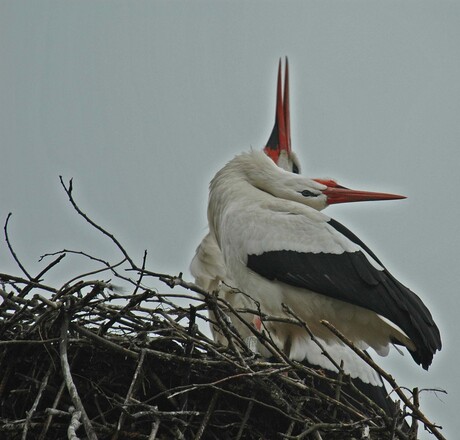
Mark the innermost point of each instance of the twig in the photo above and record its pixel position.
(15, 257)
(207, 416)
(314, 428)
(110, 267)
(74, 424)
(50, 266)
(68, 191)
(50, 413)
(155, 427)
(415, 411)
(174, 415)
(103, 341)
(69, 381)
(6, 376)
(33, 280)
(326, 398)
(30, 286)
(414, 427)
(247, 413)
(32, 410)
(247, 399)
(5, 277)
(324, 352)
(131, 391)
(141, 273)
(338, 388)
(133, 302)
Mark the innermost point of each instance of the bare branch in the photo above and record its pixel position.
(10, 247)
(415, 410)
(68, 189)
(130, 393)
(69, 381)
(32, 410)
(74, 424)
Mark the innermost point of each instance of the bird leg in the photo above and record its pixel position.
(257, 323)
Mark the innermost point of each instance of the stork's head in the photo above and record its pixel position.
(263, 174)
(278, 146)
(320, 193)
(330, 193)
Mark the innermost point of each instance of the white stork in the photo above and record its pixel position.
(210, 272)
(208, 266)
(279, 249)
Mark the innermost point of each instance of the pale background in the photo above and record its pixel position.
(142, 102)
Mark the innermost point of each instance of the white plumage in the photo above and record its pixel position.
(279, 249)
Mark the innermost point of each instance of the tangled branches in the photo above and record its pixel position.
(89, 359)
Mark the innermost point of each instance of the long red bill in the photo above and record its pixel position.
(287, 116)
(339, 194)
(280, 137)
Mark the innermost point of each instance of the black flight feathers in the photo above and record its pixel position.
(351, 278)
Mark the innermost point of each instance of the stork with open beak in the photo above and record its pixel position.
(208, 266)
(211, 273)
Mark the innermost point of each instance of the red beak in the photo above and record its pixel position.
(280, 138)
(339, 194)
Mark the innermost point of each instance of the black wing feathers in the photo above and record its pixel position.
(350, 277)
(352, 237)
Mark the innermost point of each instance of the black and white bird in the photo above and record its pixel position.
(278, 248)
(208, 266)
(211, 272)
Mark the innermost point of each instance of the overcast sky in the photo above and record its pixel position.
(142, 102)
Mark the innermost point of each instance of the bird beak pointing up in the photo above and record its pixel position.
(280, 138)
(336, 193)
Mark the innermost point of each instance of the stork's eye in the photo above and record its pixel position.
(307, 193)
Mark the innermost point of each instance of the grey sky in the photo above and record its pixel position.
(142, 102)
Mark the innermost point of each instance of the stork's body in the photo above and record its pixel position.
(208, 266)
(279, 249)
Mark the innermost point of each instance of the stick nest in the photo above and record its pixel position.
(91, 360)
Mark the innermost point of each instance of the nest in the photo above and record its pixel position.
(86, 360)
